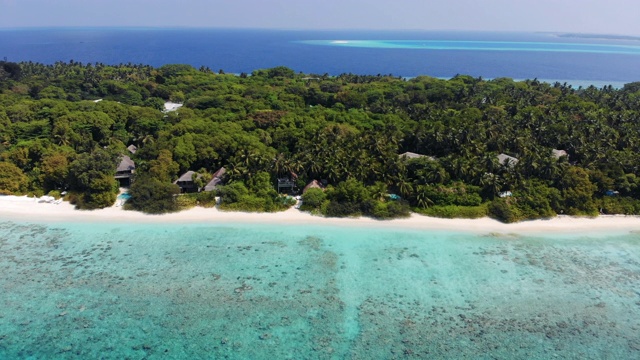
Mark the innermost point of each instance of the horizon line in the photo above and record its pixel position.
(186, 27)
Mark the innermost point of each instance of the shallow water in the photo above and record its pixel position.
(532, 46)
(242, 291)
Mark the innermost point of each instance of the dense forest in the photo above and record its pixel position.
(511, 150)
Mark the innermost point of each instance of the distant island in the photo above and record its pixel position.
(339, 146)
(598, 36)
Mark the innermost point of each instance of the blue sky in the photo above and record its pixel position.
(587, 16)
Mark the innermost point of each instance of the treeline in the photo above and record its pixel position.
(346, 131)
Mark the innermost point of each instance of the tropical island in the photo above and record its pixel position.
(598, 36)
(349, 145)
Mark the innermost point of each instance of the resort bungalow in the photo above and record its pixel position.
(557, 154)
(506, 160)
(125, 171)
(171, 106)
(218, 176)
(315, 184)
(286, 184)
(186, 182)
(411, 155)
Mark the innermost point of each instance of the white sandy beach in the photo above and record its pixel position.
(30, 209)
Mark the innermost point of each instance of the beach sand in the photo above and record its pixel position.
(22, 208)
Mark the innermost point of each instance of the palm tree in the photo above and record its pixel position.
(61, 138)
(490, 162)
(404, 186)
(280, 164)
(378, 190)
(238, 170)
(422, 198)
(493, 184)
(313, 164)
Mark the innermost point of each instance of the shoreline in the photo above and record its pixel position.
(23, 208)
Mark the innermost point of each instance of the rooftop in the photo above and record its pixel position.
(505, 159)
(412, 155)
(558, 153)
(187, 177)
(126, 164)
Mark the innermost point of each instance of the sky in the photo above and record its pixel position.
(580, 16)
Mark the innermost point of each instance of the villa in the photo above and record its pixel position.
(315, 184)
(506, 160)
(125, 171)
(286, 184)
(187, 183)
(411, 155)
(559, 153)
(217, 179)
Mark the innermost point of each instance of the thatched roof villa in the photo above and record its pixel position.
(315, 184)
(411, 155)
(216, 180)
(506, 160)
(559, 153)
(125, 170)
(186, 183)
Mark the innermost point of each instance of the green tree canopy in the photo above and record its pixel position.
(12, 179)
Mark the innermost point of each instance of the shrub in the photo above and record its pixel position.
(186, 201)
(533, 207)
(206, 199)
(152, 196)
(398, 209)
(351, 191)
(619, 205)
(455, 211)
(233, 192)
(259, 197)
(313, 199)
(92, 175)
(340, 209)
(55, 193)
(285, 202)
(249, 203)
(72, 197)
(98, 200)
(456, 194)
(386, 210)
(577, 191)
(12, 179)
(503, 210)
(375, 209)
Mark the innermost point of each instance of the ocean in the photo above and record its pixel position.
(545, 56)
(243, 291)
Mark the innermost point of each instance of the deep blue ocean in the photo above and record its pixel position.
(543, 56)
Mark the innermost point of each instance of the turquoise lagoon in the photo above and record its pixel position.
(246, 291)
(531, 46)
